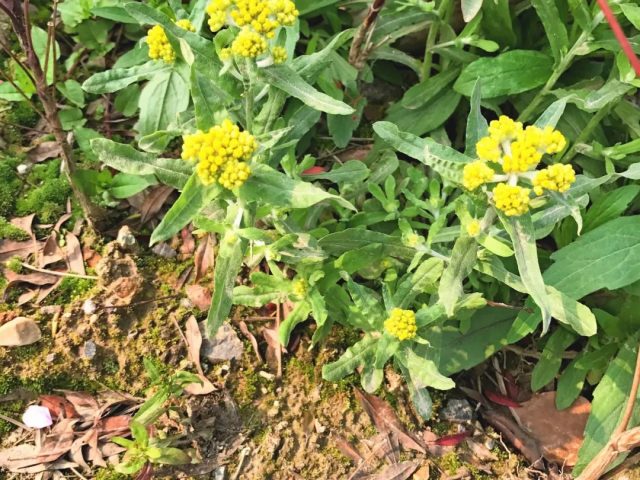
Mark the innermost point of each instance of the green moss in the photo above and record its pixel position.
(450, 463)
(22, 114)
(15, 264)
(109, 474)
(248, 384)
(71, 289)
(47, 201)
(11, 232)
(10, 185)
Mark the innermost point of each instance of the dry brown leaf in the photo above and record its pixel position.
(91, 257)
(188, 242)
(252, 339)
(558, 433)
(26, 297)
(86, 406)
(204, 258)
(44, 151)
(58, 442)
(480, 451)
(398, 471)
(51, 252)
(58, 406)
(199, 296)
(347, 449)
(117, 425)
(12, 248)
(386, 420)
(18, 458)
(25, 223)
(45, 291)
(355, 153)
(153, 202)
(194, 343)
(61, 221)
(73, 252)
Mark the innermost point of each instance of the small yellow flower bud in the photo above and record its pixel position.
(474, 228)
(556, 178)
(159, 46)
(401, 324)
(475, 174)
(513, 200)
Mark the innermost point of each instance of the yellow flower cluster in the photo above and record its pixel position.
(185, 24)
(259, 21)
(159, 46)
(401, 324)
(249, 44)
(221, 153)
(515, 152)
(300, 288)
(474, 228)
(476, 174)
(556, 178)
(513, 200)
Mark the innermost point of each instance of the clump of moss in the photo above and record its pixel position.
(22, 114)
(15, 264)
(109, 474)
(10, 185)
(11, 232)
(71, 288)
(47, 199)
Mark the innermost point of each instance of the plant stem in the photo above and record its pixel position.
(59, 274)
(432, 36)
(586, 132)
(248, 95)
(562, 66)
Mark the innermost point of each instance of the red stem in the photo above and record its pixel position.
(620, 36)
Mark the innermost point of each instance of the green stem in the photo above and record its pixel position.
(586, 132)
(564, 64)
(432, 36)
(248, 95)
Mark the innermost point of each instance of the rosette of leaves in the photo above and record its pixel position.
(362, 308)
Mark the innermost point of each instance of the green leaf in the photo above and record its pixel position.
(289, 81)
(423, 371)
(581, 13)
(606, 257)
(477, 126)
(118, 78)
(40, 43)
(170, 171)
(162, 99)
(371, 378)
(268, 186)
(367, 303)
(72, 91)
(421, 93)
(423, 280)
(228, 264)
(551, 359)
(470, 9)
(463, 258)
(172, 456)
(208, 96)
(632, 12)
(426, 118)
(504, 74)
(387, 347)
(354, 238)
(551, 116)
(521, 231)
(355, 356)
(553, 26)
(298, 315)
(139, 433)
(125, 185)
(610, 206)
(607, 407)
(352, 171)
(447, 161)
(114, 13)
(194, 196)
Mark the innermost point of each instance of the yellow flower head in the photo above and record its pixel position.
(474, 228)
(186, 25)
(221, 154)
(513, 200)
(475, 174)
(225, 54)
(249, 44)
(159, 46)
(488, 149)
(556, 178)
(285, 11)
(552, 141)
(401, 324)
(279, 55)
(504, 129)
(300, 288)
(217, 11)
(524, 157)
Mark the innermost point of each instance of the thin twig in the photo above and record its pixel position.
(59, 274)
(529, 353)
(143, 302)
(15, 422)
(361, 45)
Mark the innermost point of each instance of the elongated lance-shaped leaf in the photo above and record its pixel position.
(228, 264)
(554, 27)
(194, 196)
(355, 356)
(522, 234)
(477, 126)
(423, 371)
(463, 258)
(298, 315)
(289, 81)
(119, 78)
(551, 116)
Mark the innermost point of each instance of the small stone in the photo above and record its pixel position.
(266, 375)
(89, 307)
(164, 250)
(50, 358)
(23, 169)
(220, 473)
(89, 350)
(125, 238)
(457, 410)
(19, 332)
(224, 346)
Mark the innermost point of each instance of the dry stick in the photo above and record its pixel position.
(600, 462)
(357, 54)
(15, 422)
(59, 274)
